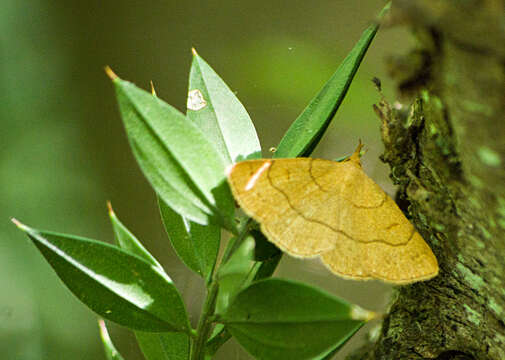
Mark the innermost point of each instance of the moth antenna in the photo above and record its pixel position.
(357, 153)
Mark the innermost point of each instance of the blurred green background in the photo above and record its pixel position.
(64, 151)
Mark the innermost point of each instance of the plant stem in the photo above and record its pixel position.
(235, 241)
(204, 323)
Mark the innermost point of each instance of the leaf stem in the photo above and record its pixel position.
(207, 316)
(235, 241)
(204, 324)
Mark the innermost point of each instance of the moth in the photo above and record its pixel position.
(313, 207)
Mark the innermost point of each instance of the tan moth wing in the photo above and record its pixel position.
(310, 207)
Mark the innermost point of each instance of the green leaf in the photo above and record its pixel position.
(163, 346)
(217, 111)
(274, 319)
(196, 245)
(110, 350)
(344, 341)
(267, 267)
(127, 241)
(234, 274)
(154, 346)
(307, 130)
(181, 164)
(117, 285)
(218, 337)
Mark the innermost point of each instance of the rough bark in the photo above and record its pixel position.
(447, 152)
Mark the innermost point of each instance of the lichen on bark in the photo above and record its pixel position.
(446, 151)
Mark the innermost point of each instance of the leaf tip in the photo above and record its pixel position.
(358, 313)
(153, 91)
(19, 224)
(109, 209)
(193, 51)
(111, 74)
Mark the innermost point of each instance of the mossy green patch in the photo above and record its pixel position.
(426, 96)
(474, 107)
(476, 182)
(489, 157)
(480, 244)
(497, 352)
(496, 308)
(438, 103)
(434, 240)
(474, 280)
(475, 202)
(422, 218)
(501, 207)
(433, 129)
(485, 232)
(473, 316)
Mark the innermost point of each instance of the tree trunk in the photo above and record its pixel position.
(447, 152)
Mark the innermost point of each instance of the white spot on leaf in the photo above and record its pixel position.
(196, 100)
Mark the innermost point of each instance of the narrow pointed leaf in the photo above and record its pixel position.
(307, 130)
(196, 245)
(182, 199)
(110, 350)
(127, 241)
(217, 111)
(117, 285)
(163, 346)
(274, 319)
(182, 165)
(154, 346)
